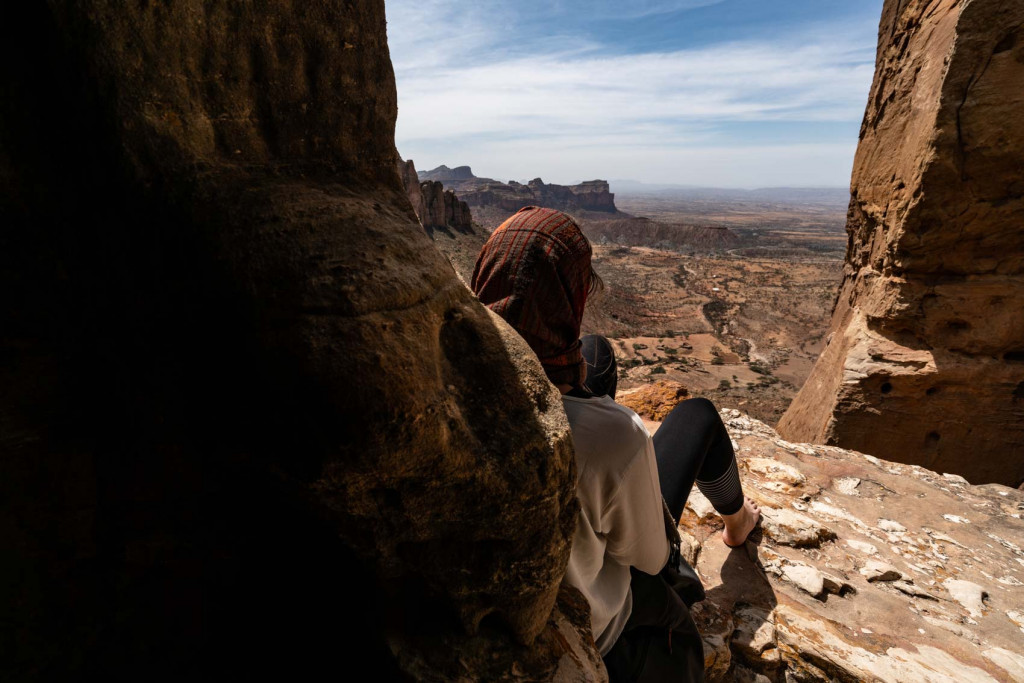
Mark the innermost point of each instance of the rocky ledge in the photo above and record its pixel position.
(862, 569)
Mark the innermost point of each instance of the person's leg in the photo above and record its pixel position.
(692, 445)
(602, 370)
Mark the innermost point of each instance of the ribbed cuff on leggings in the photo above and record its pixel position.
(725, 493)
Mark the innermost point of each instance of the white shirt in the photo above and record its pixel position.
(620, 522)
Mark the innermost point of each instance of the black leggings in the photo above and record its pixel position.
(691, 445)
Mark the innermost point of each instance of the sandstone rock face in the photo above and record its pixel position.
(411, 183)
(252, 423)
(442, 209)
(435, 206)
(654, 401)
(590, 195)
(863, 570)
(925, 360)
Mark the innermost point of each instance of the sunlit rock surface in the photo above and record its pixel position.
(925, 356)
(862, 570)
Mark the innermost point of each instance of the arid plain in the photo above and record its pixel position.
(727, 292)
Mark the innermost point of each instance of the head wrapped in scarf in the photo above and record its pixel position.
(535, 272)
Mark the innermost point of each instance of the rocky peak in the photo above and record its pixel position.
(436, 207)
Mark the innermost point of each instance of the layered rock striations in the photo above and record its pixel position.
(435, 206)
(252, 423)
(591, 195)
(861, 570)
(925, 355)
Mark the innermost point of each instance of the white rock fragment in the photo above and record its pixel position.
(804, 577)
(874, 570)
(970, 595)
(862, 547)
(1010, 581)
(689, 547)
(891, 526)
(939, 536)
(847, 485)
(787, 527)
(1006, 544)
(956, 519)
(776, 471)
(836, 513)
(699, 505)
(955, 479)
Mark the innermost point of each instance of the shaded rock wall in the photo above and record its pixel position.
(251, 420)
(925, 360)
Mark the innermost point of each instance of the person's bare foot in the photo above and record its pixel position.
(739, 525)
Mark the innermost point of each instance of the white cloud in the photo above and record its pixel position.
(568, 109)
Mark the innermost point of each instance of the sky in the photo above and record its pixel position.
(713, 93)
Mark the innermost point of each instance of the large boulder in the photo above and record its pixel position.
(252, 423)
(925, 355)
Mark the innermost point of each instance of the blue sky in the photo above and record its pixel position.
(725, 93)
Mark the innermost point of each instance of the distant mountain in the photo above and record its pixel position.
(450, 176)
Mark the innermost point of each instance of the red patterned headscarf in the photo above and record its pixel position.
(534, 272)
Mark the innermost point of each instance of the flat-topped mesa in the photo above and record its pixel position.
(592, 195)
(447, 175)
(925, 356)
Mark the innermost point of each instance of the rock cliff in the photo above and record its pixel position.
(591, 195)
(861, 570)
(435, 206)
(925, 355)
(252, 423)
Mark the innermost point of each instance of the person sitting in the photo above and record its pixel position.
(535, 272)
